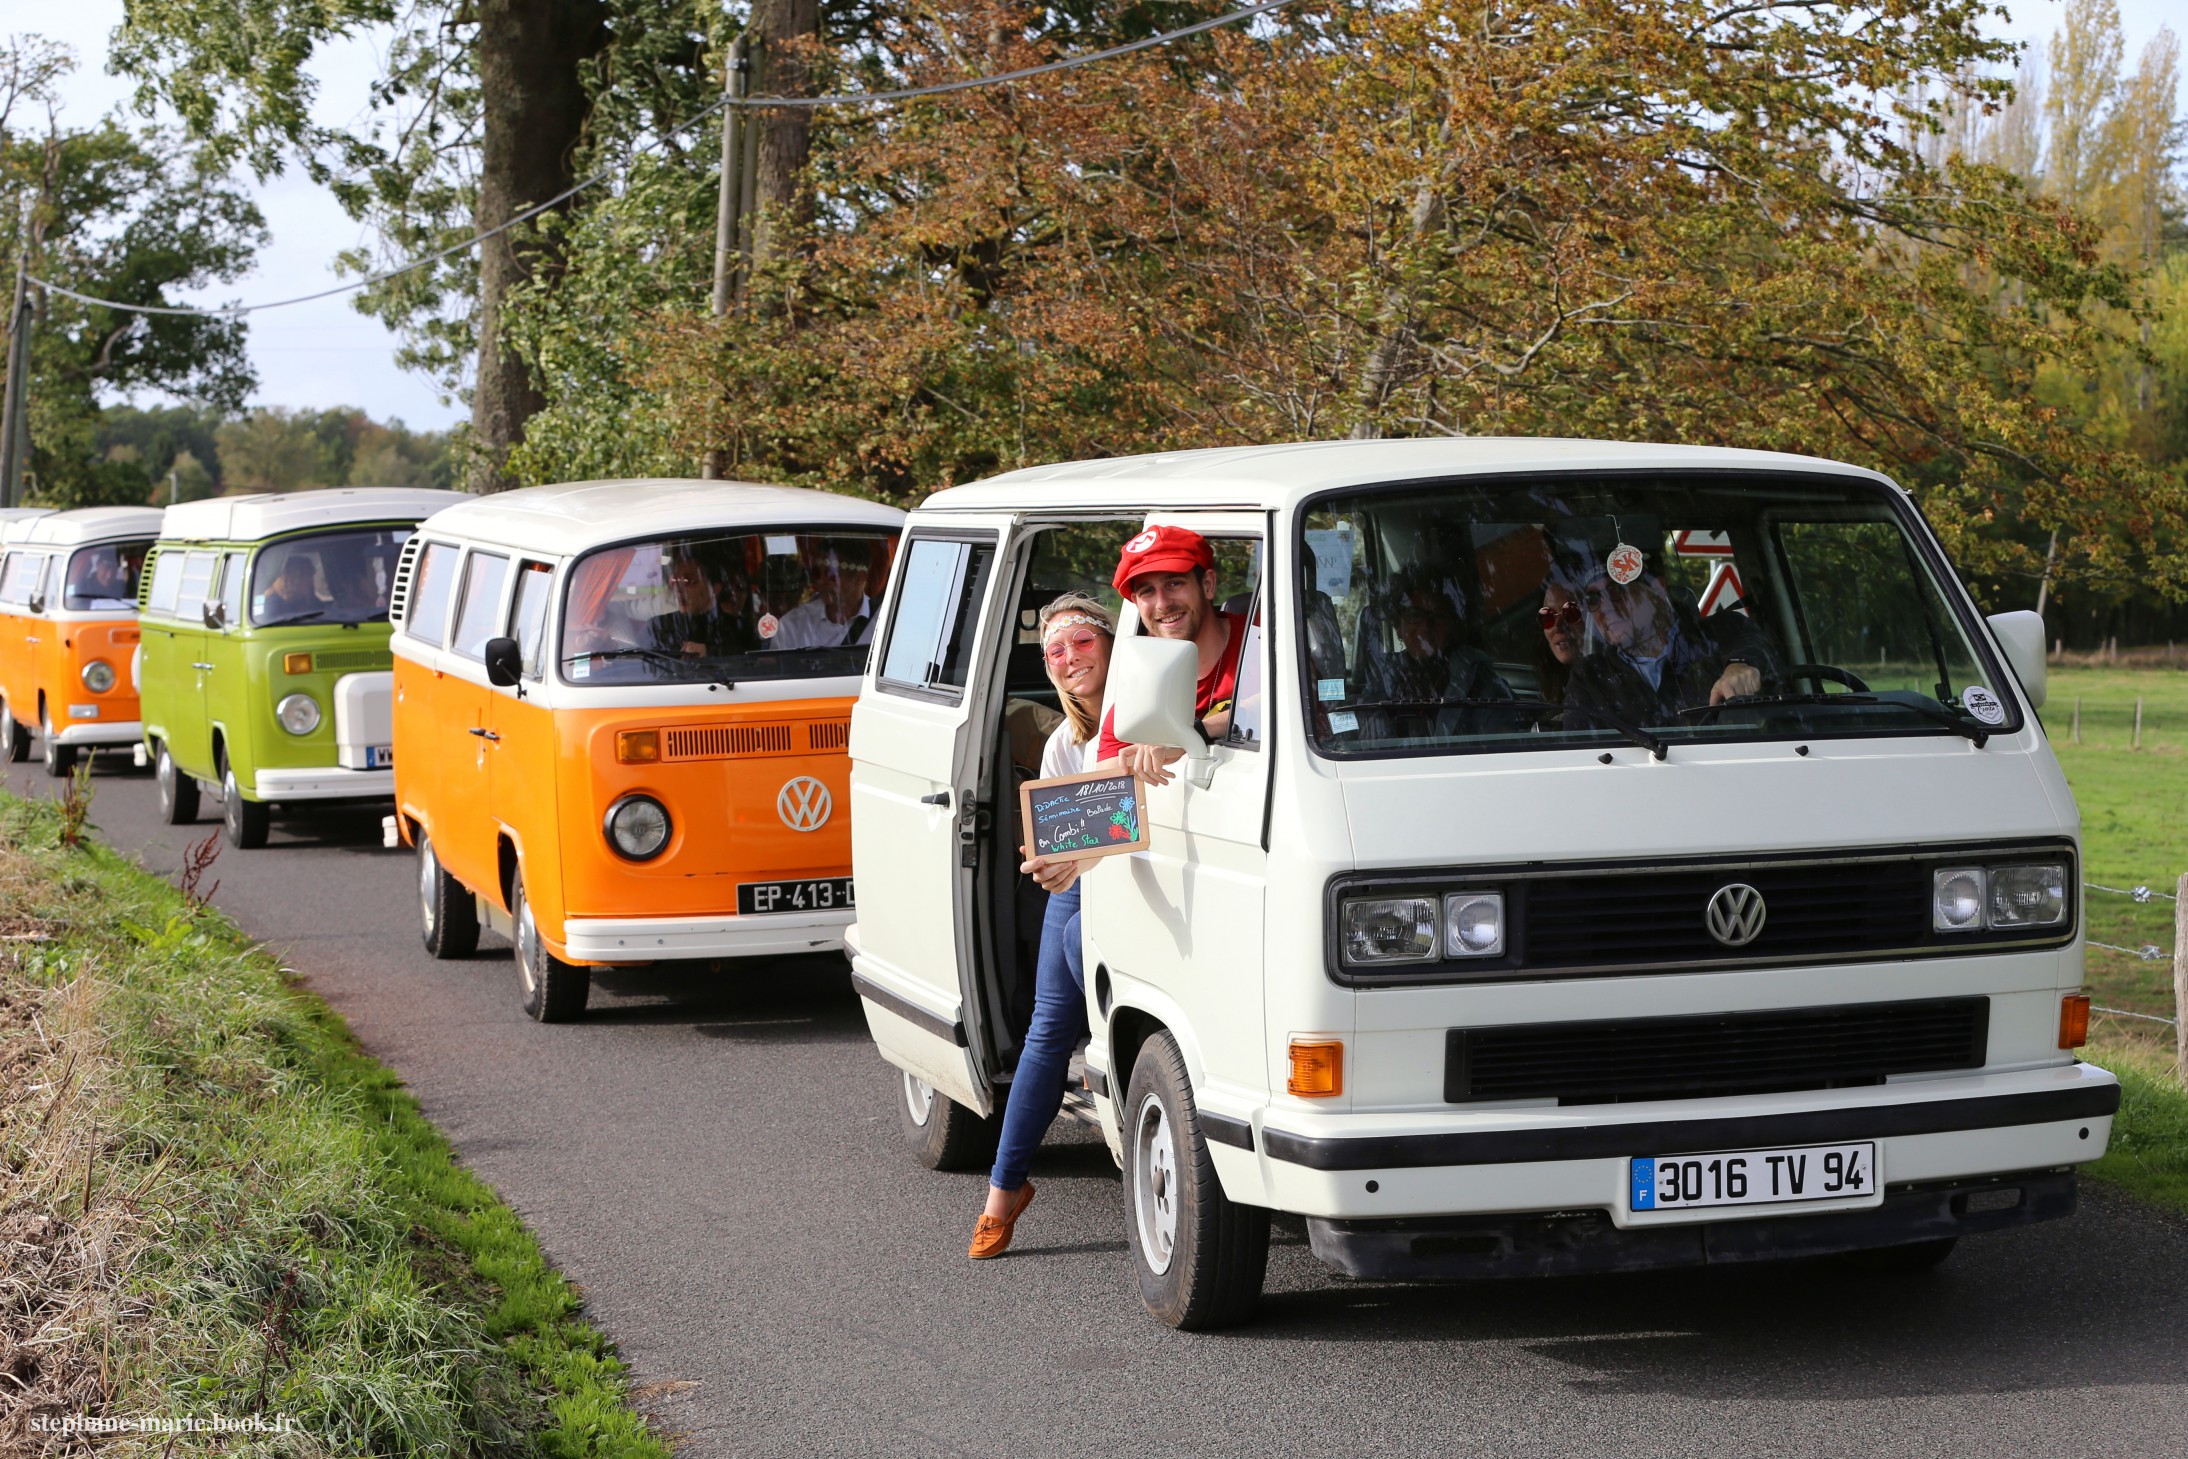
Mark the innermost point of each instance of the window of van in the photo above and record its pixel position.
(1562, 612)
(232, 578)
(104, 577)
(784, 603)
(478, 614)
(197, 584)
(19, 580)
(930, 641)
(528, 618)
(426, 618)
(341, 576)
(166, 581)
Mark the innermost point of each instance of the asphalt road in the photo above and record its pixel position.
(716, 1163)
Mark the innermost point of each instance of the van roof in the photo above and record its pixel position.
(271, 513)
(572, 516)
(1265, 477)
(85, 524)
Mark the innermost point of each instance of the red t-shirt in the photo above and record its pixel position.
(1218, 687)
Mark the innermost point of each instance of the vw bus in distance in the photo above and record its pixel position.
(1619, 856)
(68, 630)
(620, 716)
(265, 669)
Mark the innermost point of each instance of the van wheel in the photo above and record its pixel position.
(57, 758)
(447, 913)
(245, 821)
(18, 735)
(1199, 1255)
(178, 792)
(1915, 1256)
(943, 1133)
(554, 991)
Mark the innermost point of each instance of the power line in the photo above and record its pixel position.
(847, 98)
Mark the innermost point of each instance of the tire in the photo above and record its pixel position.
(178, 792)
(1915, 1256)
(554, 991)
(448, 914)
(1199, 1256)
(245, 821)
(58, 759)
(944, 1135)
(18, 735)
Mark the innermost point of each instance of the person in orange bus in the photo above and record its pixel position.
(838, 614)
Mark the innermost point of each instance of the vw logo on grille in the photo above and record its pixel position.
(803, 804)
(1735, 914)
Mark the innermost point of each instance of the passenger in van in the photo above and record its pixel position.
(356, 588)
(838, 614)
(99, 581)
(1562, 632)
(1076, 636)
(1169, 575)
(1659, 657)
(293, 591)
(699, 624)
(1420, 682)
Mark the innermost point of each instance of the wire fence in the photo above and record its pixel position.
(2149, 952)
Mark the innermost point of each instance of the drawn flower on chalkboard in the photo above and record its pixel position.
(1119, 833)
(1124, 802)
(1120, 818)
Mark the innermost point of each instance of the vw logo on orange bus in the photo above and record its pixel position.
(803, 803)
(1735, 914)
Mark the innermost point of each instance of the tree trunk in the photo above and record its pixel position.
(783, 203)
(534, 114)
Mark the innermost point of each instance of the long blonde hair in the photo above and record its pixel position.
(1085, 721)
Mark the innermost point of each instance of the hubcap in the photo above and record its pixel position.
(527, 942)
(918, 1098)
(1154, 1184)
(231, 802)
(428, 874)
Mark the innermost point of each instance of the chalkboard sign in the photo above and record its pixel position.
(1080, 817)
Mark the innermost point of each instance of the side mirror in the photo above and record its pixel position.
(37, 604)
(2021, 635)
(504, 662)
(215, 615)
(1152, 683)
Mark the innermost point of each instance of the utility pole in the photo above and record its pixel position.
(11, 413)
(729, 208)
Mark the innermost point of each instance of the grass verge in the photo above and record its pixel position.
(2134, 804)
(214, 1206)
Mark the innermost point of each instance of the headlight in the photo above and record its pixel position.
(1390, 930)
(299, 714)
(98, 676)
(2027, 896)
(1956, 900)
(1473, 924)
(637, 827)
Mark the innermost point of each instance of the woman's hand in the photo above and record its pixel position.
(1051, 876)
(1149, 762)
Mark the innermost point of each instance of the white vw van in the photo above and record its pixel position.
(1751, 931)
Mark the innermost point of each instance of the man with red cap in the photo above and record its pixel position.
(1169, 575)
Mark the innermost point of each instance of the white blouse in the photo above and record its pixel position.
(1064, 756)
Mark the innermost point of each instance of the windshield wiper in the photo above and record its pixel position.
(1539, 708)
(656, 656)
(1936, 713)
(293, 618)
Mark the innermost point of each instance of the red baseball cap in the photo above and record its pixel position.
(1162, 549)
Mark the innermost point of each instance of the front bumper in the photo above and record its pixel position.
(85, 732)
(652, 939)
(1569, 1243)
(329, 783)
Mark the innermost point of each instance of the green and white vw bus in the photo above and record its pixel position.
(264, 667)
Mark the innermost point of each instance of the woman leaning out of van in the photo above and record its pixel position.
(1076, 633)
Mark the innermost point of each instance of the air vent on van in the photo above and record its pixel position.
(726, 741)
(144, 577)
(353, 660)
(406, 569)
(828, 735)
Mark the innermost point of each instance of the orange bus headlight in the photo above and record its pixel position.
(98, 676)
(638, 747)
(638, 827)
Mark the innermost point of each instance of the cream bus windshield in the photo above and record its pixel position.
(1566, 613)
(775, 605)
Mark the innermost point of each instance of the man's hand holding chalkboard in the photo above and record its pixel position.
(1149, 762)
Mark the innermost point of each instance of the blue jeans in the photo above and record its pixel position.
(1059, 1022)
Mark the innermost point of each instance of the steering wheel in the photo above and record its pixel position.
(1829, 672)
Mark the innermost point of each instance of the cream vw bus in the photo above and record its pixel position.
(620, 717)
(1752, 931)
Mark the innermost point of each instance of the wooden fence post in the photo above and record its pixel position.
(2077, 719)
(2180, 979)
(2138, 722)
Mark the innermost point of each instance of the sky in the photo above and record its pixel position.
(326, 354)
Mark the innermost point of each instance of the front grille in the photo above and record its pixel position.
(725, 741)
(1692, 1057)
(829, 735)
(352, 660)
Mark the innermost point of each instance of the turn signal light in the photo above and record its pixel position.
(2073, 1020)
(638, 747)
(296, 663)
(1318, 1068)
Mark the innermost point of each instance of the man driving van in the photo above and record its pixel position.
(1658, 657)
(838, 614)
(1169, 575)
(698, 625)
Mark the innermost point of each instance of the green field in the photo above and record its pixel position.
(2134, 804)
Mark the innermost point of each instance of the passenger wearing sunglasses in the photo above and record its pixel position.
(1659, 657)
(1076, 636)
(1563, 631)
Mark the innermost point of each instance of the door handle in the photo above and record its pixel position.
(940, 798)
(486, 734)
(208, 668)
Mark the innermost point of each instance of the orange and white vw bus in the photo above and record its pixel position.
(621, 713)
(68, 630)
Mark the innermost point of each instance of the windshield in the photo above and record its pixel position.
(1642, 609)
(782, 604)
(105, 577)
(328, 577)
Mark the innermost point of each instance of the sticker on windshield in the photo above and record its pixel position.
(1982, 704)
(1624, 563)
(1328, 689)
(581, 667)
(1332, 549)
(1343, 721)
(768, 624)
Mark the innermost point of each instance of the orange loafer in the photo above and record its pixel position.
(992, 1236)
